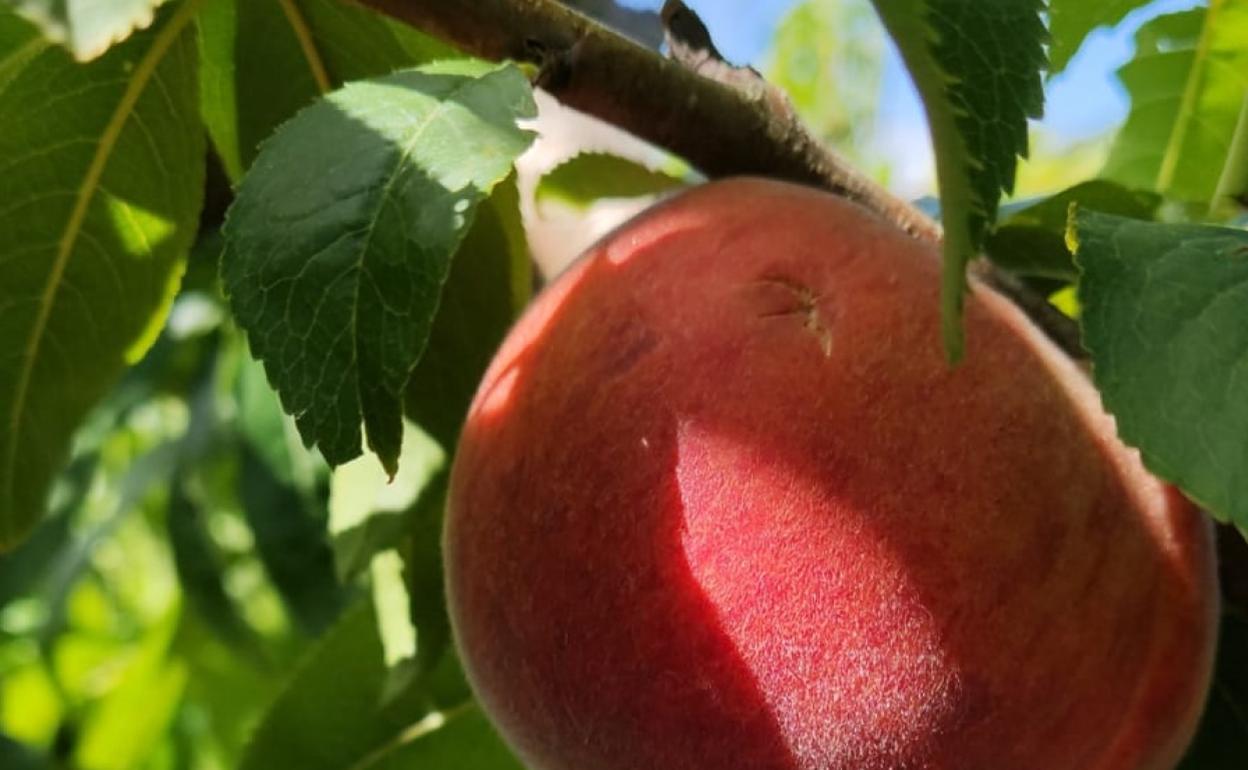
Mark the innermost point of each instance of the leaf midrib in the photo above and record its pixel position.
(1178, 136)
(138, 81)
(408, 148)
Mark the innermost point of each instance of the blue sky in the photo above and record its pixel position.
(1082, 102)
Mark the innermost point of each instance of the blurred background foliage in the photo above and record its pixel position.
(199, 566)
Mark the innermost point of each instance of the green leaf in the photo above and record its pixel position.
(1031, 240)
(489, 284)
(466, 741)
(370, 513)
(828, 57)
(101, 190)
(1165, 317)
(87, 29)
(331, 716)
(126, 725)
(198, 565)
(18, 756)
(1070, 22)
(1221, 741)
(977, 68)
(263, 60)
(19, 43)
(342, 235)
(1187, 82)
(292, 541)
(581, 180)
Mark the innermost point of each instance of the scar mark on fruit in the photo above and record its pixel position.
(634, 340)
(803, 302)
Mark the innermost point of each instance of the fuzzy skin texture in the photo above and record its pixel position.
(721, 503)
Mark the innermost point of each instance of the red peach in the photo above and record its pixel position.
(721, 504)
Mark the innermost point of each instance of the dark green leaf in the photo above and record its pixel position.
(1187, 83)
(1070, 21)
(101, 189)
(335, 697)
(1222, 739)
(590, 176)
(198, 565)
(22, 569)
(292, 542)
(1165, 317)
(356, 546)
(18, 756)
(265, 59)
(1031, 241)
(19, 43)
(489, 283)
(342, 236)
(977, 68)
(422, 565)
(87, 29)
(467, 741)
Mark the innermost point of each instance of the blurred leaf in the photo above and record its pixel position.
(1221, 741)
(87, 29)
(199, 570)
(1031, 240)
(590, 176)
(1165, 317)
(342, 235)
(101, 189)
(422, 565)
(335, 696)
(263, 60)
(19, 43)
(123, 728)
(1187, 84)
(370, 513)
(391, 600)
(489, 284)
(467, 741)
(978, 93)
(23, 569)
(1070, 22)
(18, 756)
(292, 541)
(828, 56)
(261, 422)
(151, 469)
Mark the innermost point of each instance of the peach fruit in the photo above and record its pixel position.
(721, 504)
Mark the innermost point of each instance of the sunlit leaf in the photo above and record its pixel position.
(87, 28)
(336, 696)
(1165, 317)
(1031, 239)
(977, 68)
(489, 284)
(124, 727)
(342, 236)
(1188, 83)
(263, 60)
(590, 176)
(1070, 22)
(101, 189)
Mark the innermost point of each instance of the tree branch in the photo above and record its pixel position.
(719, 118)
(720, 130)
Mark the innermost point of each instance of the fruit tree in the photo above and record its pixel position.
(505, 384)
